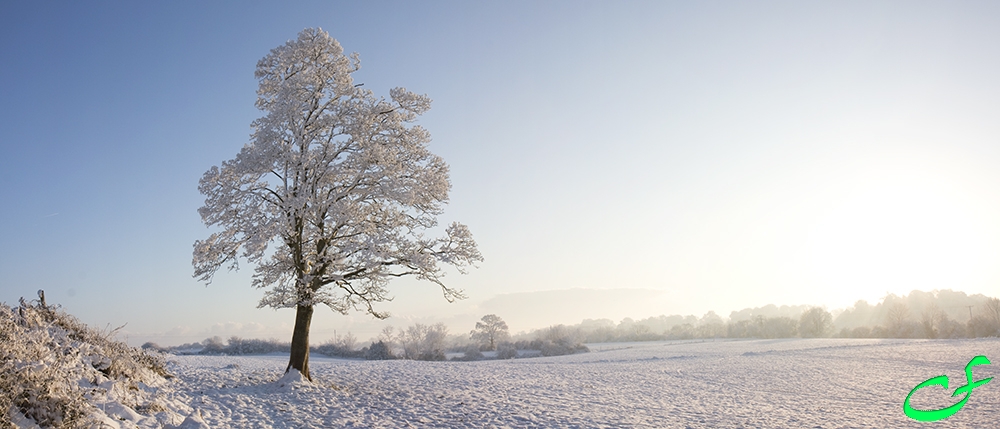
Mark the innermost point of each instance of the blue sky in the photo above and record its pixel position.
(677, 157)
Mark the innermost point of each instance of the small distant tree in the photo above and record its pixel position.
(386, 335)
(757, 327)
(930, 320)
(331, 197)
(992, 310)
(490, 331)
(815, 322)
(433, 345)
(980, 326)
(948, 328)
(410, 340)
(897, 319)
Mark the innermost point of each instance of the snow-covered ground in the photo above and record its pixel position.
(792, 383)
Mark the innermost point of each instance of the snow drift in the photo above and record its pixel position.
(58, 372)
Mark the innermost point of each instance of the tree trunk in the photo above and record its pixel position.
(299, 358)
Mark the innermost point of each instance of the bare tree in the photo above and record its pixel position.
(331, 196)
(896, 318)
(386, 335)
(930, 320)
(424, 342)
(490, 331)
(992, 306)
(815, 322)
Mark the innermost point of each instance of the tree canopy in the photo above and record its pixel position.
(332, 196)
(489, 331)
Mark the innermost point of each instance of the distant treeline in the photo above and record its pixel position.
(417, 342)
(344, 346)
(936, 314)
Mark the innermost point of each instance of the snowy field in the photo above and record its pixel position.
(793, 383)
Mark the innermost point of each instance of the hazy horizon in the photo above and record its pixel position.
(687, 157)
(523, 312)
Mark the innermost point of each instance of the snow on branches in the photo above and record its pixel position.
(331, 197)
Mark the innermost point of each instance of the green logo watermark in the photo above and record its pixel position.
(942, 380)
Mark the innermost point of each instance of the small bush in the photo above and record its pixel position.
(472, 353)
(861, 332)
(506, 351)
(981, 326)
(432, 355)
(424, 342)
(550, 348)
(243, 346)
(340, 347)
(379, 351)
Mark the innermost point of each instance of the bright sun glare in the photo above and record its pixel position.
(896, 236)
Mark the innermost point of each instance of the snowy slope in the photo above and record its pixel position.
(764, 383)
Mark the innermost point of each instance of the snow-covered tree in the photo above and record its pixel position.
(490, 331)
(424, 342)
(332, 196)
(815, 322)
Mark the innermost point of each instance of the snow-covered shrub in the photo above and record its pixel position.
(185, 349)
(340, 346)
(254, 346)
(237, 346)
(879, 332)
(506, 350)
(779, 327)
(758, 326)
(550, 348)
(149, 345)
(433, 355)
(213, 346)
(379, 351)
(949, 328)
(561, 334)
(33, 375)
(424, 342)
(51, 363)
(980, 326)
(553, 341)
(472, 353)
(684, 331)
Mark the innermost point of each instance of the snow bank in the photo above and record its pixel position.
(58, 372)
